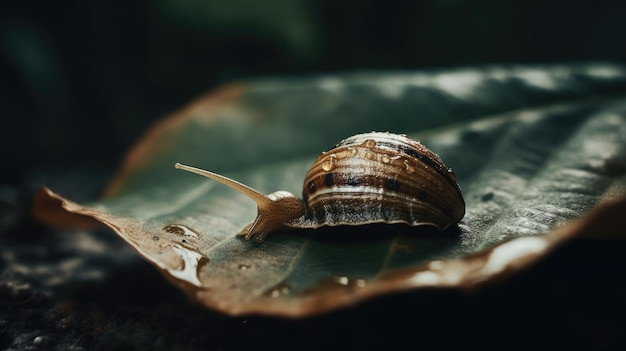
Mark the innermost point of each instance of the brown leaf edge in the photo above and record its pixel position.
(468, 273)
(157, 138)
(50, 208)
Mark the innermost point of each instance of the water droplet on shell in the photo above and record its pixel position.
(451, 174)
(329, 164)
(369, 143)
(408, 168)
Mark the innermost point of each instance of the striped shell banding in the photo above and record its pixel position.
(367, 178)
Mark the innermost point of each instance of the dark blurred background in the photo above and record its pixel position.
(81, 80)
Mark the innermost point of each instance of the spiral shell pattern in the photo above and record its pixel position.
(380, 177)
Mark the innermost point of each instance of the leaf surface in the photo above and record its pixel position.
(532, 148)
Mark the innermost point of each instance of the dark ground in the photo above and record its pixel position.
(80, 81)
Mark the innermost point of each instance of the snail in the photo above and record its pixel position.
(376, 177)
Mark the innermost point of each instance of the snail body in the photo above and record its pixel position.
(367, 178)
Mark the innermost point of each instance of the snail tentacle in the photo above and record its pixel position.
(272, 210)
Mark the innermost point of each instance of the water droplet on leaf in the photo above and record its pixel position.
(278, 290)
(486, 197)
(350, 282)
(180, 229)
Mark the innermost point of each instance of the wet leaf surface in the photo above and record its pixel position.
(532, 147)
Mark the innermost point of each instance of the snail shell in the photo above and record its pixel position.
(367, 178)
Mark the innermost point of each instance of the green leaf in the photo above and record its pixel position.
(532, 148)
